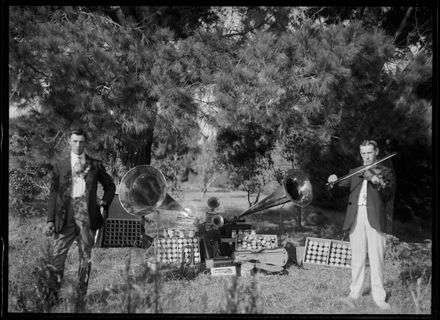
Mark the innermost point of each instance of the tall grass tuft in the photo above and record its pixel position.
(157, 278)
(421, 298)
(242, 298)
(232, 297)
(78, 299)
(130, 299)
(46, 282)
(415, 260)
(415, 270)
(252, 306)
(136, 298)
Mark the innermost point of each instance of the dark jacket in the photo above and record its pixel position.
(61, 189)
(376, 199)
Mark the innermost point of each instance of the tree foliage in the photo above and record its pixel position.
(245, 152)
(309, 83)
(325, 87)
(406, 25)
(207, 166)
(121, 81)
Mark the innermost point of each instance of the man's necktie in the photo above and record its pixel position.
(77, 167)
(78, 186)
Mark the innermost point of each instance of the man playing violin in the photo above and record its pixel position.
(366, 221)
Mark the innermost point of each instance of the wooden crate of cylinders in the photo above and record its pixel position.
(178, 250)
(327, 252)
(255, 242)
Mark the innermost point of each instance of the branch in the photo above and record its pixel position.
(243, 33)
(59, 140)
(404, 69)
(201, 112)
(43, 187)
(362, 12)
(50, 140)
(313, 15)
(202, 101)
(403, 23)
(89, 14)
(417, 28)
(35, 69)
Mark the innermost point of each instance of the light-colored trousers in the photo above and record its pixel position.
(75, 227)
(363, 239)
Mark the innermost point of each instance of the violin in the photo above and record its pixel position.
(377, 170)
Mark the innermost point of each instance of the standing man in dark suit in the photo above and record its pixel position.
(73, 212)
(366, 220)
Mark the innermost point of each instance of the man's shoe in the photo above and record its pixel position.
(383, 305)
(349, 301)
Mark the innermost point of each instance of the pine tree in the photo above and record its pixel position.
(123, 82)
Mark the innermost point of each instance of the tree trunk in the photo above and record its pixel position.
(281, 223)
(144, 154)
(298, 217)
(389, 210)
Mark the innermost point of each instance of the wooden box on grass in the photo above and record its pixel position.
(327, 252)
(178, 250)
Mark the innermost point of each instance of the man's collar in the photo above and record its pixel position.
(76, 156)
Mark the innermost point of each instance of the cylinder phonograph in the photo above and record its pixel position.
(295, 188)
(227, 239)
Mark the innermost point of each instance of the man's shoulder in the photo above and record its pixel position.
(355, 169)
(92, 159)
(385, 169)
(94, 162)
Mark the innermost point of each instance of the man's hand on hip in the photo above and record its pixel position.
(104, 210)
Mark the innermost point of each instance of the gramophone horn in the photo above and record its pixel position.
(218, 221)
(213, 203)
(143, 189)
(296, 188)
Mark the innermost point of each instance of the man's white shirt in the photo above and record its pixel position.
(78, 181)
(363, 194)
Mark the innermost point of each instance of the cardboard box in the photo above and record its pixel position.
(218, 262)
(224, 271)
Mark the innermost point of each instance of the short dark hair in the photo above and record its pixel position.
(79, 132)
(369, 143)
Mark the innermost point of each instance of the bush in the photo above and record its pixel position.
(22, 184)
(172, 171)
(242, 297)
(25, 184)
(26, 210)
(415, 260)
(40, 295)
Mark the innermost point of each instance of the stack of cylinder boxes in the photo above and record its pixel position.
(177, 247)
(247, 240)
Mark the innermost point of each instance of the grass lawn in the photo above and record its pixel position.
(120, 281)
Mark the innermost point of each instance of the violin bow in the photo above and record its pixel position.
(361, 170)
